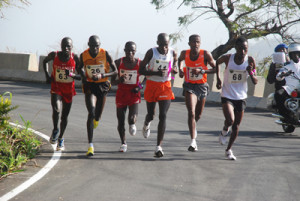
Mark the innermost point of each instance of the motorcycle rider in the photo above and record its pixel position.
(275, 65)
(291, 74)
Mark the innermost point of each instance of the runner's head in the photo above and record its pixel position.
(294, 52)
(94, 45)
(194, 42)
(66, 45)
(241, 47)
(130, 49)
(163, 43)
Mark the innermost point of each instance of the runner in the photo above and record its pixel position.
(95, 64)
(195, 85)
(128, 93)
(158, 64)
(62, 87)
(239, 67)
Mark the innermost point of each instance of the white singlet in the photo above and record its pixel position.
(161, 62)
(235, 85)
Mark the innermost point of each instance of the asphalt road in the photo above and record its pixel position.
(267, 166)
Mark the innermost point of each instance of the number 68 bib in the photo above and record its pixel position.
(237, 76)
(131, 76)
(61, 76)
(94, 70)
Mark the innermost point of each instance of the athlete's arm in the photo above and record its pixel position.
(114, 80)
(208, 59)
(80, 69)
(180, 63)
(174, 67)
(76, 76)
(251, 70)
(222, 59)
(112, 65)
(48, 58)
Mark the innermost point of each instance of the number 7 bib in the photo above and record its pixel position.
(131, 76)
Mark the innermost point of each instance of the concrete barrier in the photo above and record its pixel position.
(26, 67)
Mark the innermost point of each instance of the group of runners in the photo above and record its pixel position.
(94, 66)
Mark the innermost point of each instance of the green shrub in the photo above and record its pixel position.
(17, 145)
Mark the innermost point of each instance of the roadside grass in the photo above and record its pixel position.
(17, 145)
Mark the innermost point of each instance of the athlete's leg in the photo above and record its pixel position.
(150, 112)
(56, 107)
(121, 123)
(66, 107)
(199, 108)
(235, 128)
(228, 111)
(99, 106)
(90, 105)
(133, 112)
(163, 109)
(190, 102)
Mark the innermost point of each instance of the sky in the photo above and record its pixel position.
(39, 27)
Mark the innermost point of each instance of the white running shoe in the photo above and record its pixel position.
(132, 129)
(158, 152)
(193, 147)
(123, 148)
(146, 131)
(230, 155)
(223, 138)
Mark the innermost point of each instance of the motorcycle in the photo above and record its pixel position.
(292, 104)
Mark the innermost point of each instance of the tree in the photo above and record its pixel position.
(11, 3)
(248, 18)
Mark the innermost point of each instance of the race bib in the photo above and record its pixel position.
(237, 76)
(192, 76)
(161, 65)
(61, 76)
(130, 76)
(94, 70)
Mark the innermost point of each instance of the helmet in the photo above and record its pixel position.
(294, 47)
(282, 45)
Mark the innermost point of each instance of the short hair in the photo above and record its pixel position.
(194, 36)
(241, 39)
(130, 43)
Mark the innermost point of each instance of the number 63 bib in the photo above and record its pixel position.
(61, 76)
(131, 76)
(237, 76)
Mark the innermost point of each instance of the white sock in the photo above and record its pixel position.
(91, 144)
(193, 141)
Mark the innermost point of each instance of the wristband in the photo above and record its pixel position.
(71, 74)
(251, 73)
(202, 71)
(141, 86)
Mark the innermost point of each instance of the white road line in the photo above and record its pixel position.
(55, 158)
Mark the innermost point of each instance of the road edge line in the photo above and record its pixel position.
(54, 159)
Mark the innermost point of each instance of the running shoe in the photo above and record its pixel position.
(193, 147)
(158, 152)
(60, 145)
(123, 148)
(90, 151)
(95, 123)
(132, 129)
(146, 131)
(54, 136)
(223, 138)
(230, 155)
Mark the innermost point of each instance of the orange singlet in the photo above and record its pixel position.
(199, 63)
(95, 66)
